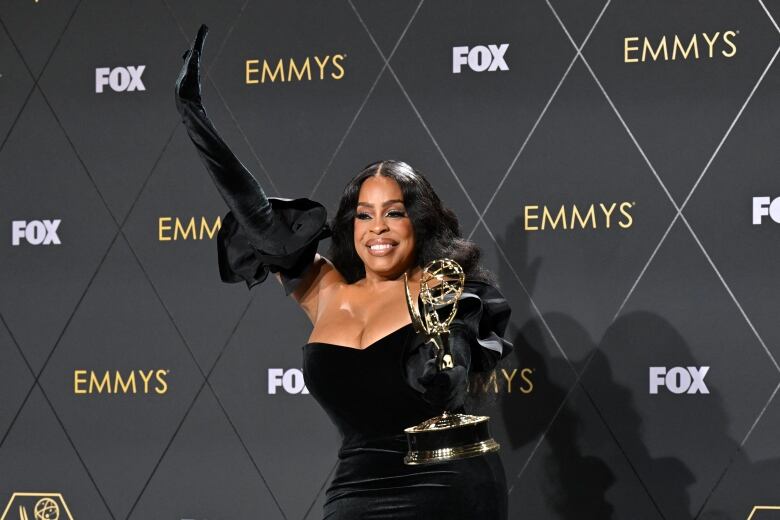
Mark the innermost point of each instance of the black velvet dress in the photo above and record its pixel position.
(372, 394)
(366, 395)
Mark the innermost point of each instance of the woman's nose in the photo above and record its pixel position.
(379, 225)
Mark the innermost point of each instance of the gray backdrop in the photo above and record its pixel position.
(616, 161)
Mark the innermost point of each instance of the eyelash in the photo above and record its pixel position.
(397, 212)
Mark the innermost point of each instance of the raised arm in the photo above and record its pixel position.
(235, 183)
(259, 234)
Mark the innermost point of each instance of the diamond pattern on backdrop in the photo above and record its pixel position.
(173, 229)
(295, 125)
(387, 22)
(553, 440)
(579, 44)
(271, 337)
(15, 84)
(532, 383)
(15, 380)
(42, 284)
(49, 20)
(579, 471)
(219, 16)
(118, 134)
(480, 118)
(43, 458)
(120, 329)
(678, 108)
(721, 210)
(772, 9)
(561, 345)
(751, 479)
(578, 16)
(206, 473)
(387, 128)
(584, 269)
(681, 316)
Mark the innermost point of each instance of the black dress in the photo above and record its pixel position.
(372, 394)
(368, 399)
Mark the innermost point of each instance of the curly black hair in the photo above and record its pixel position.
(436, 228)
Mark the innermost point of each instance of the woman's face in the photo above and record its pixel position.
(381, 221)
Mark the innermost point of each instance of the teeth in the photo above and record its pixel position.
(380, 247)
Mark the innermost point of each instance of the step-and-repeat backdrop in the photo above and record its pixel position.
(615, 160)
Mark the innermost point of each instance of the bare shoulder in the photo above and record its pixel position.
(320, 280)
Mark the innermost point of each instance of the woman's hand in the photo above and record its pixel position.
(188, 82)
(446, 389)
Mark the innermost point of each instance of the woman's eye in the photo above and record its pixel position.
(396, 213)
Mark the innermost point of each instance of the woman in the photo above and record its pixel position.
(389, 222)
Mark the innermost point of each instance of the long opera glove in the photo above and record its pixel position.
(235, 183)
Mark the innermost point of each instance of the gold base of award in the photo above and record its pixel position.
(449, 436)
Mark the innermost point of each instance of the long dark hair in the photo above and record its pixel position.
(436, 228)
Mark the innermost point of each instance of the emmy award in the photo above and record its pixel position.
(448, 436)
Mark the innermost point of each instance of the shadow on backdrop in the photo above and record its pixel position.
(593, 460)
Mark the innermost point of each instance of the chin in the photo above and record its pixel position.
(382, 265)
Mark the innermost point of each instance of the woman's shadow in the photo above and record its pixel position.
(579, 464)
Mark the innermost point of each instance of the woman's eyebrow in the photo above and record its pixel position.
(386, 203)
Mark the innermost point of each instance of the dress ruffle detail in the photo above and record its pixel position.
(484, 313)
(288, 247)
(481, 320)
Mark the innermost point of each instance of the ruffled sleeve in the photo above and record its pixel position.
(480, 321)
(484, 314)
(289, 250)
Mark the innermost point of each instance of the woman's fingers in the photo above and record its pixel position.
(193, 58)
(188, 82)
(200, 38)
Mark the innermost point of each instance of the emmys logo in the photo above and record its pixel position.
(174, 228)
(36, 506)
(541, 218)
(502, 381)
(679, 380)
(87, 382)
(286, 71)
(35, 232)
(695, 47)
(290, 380)
(119, 79)
(480, 58)
(766, 207)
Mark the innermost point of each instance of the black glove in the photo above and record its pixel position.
(235, 183)
(188, 82)
(446, 389)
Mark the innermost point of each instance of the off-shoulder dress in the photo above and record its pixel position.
(372, 394)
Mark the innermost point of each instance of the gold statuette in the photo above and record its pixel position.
(449, 436)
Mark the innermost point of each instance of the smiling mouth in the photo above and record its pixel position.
(381, 249)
